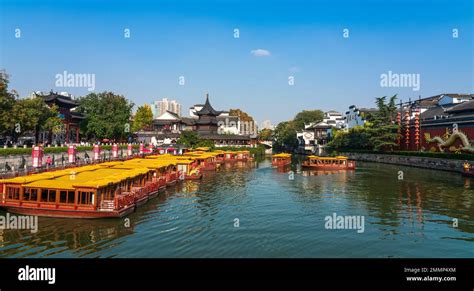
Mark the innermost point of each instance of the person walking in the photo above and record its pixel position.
(48, 162)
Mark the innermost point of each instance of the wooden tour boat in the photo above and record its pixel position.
(102, 190)
(281, 160)
(328, 163)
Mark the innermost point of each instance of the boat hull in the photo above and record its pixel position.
(193, 177)
(281, 164)
(83, 214)
(327, 167)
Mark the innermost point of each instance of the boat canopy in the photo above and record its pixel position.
(92, 178)
(282, 155)
(312, 157)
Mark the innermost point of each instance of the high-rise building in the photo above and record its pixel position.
(161, 106)
(267, 124)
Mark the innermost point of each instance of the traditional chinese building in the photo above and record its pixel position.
(70, 119)
(207, 123)
(428, 124)
(210, 124)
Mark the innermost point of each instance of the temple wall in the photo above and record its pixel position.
(434, 131)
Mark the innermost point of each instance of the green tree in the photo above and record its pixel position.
(306, 117)
(143, 118)
(205, 143)
(32, 115)
(383, 129)
(188, 138)
(285, 136)
(355, 138)
(7, 101)
(380, 134)
(107, 115)
(265, 134)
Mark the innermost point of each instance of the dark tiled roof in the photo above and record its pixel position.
(432, 112)
(224, 136)
(61, 100)
(462, 96)
(165, 121)
(433, 100)
(156, 134)
(207, 109)
(206, 121)
(188, 120)
(462, 107)
(77, 115)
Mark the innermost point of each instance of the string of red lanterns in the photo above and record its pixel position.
(407, 128)
(417, 129)
(399, 129)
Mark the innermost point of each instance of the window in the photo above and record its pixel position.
(30, 194)
(13, 193)
(85, 197)
(48, 195)
(66, 197)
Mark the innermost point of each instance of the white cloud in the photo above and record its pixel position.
(260, 53)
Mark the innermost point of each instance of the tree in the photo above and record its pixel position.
(188, 138)
(285, 136)
(383, 129)
(265, 134)
(380, 134)
(306, 117)
(7, 101)
(247, 123)
(32, 115)
(107, 115)
(143, 118)
(355, 138)
(191, 139)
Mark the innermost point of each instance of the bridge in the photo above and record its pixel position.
(267, 144)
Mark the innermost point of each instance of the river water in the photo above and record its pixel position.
(253, 210)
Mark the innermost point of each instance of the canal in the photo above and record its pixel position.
(252, 210)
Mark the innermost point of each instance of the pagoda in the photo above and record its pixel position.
(207, 119)
(69, 118)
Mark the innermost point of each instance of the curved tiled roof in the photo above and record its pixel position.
(64, 101)
(207, 109)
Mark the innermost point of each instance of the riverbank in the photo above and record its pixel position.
(443, 164)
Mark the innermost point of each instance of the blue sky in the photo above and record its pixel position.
(195, 39)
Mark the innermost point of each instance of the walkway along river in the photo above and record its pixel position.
(253, 210)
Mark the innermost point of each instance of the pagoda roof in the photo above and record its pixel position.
(77, 115)
(60, 100)
(207, 109)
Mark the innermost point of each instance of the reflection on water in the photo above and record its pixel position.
(280, 216)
